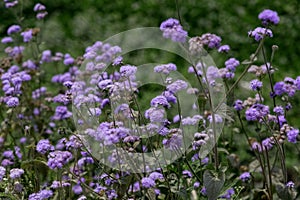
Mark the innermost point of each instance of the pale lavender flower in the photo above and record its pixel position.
(259, 33)
(13, 29)
(172, 29)
(268, 16)
(16, 173)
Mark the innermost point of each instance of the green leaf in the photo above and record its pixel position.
(213, 183)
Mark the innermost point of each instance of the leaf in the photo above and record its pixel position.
(213, 183)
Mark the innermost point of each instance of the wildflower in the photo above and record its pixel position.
(279, 110)
(6, 40)
(13, 29)
(224, 49)
(228, 193)
(128, 70)
(165, 69)
(16, 173)
(156, 175)
(196, 184)
(27, 35)
(77, 189)
(172, 29)
(147, 182)
(255, 84)
(245, 176)
(259, 33)
(12, 102)
(187, 173)
(160, 100)
(292, 135)
(57, 159)
(2, 172)
(238, 105)
(290, 184)
(44, 146)
(231, 64)
(269, 17)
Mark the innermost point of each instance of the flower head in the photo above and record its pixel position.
(269, 17)
(172, 29)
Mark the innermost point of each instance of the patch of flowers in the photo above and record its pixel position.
(49, 135)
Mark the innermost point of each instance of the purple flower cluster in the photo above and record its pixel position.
(165, 69)
(292, 135)
(16, 173)
(259, 33)
(172, 29)
(269, 17)
(43, 146)
(256, 85)
(289, 86)
(257, 112)
(245, 176)
(10, 3)
(40, 9)
(57, 159)
(2, 173)
(43, 194)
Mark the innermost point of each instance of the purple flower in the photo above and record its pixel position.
(2, 172)
(172, 29)
(231, 64)
(290, 184)
(292, 135)
(224, 48)
(177, 86)
(238, 105)
(160, 101)
(165, 69)
(44, 146)
(41, 15)
(228, 194)
(12, 102)
(147, 182)
(61, 112)
(128, 70)
(256, 146)
(156, 175)
(10, 4)
(173, 143)
(155, 114)
(267, 144)
(68, 60)
(255, 84)
(6, 40)
(256, 112)
(259, 33)
(187, 173)
(43, 194)
(16, 173)
(57, 159)
(27, 35)
(39, 7)
(269, 17)
(279, 110)
(245, 176)
(196, 184)
(211, 40)
(218, 118)
(46, 56)
(13, 29)
(77, 189)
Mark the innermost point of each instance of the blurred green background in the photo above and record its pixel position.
(73, 25)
